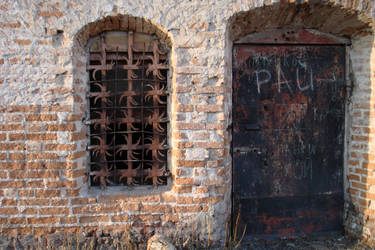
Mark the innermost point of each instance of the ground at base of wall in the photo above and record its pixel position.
(65, 241)
(321, 242)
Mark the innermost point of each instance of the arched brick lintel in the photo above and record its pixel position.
(122, 23)
(328, 17)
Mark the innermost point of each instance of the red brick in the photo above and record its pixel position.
(60, 147)
(44, 174)
(183, 144)
(82, 210)
(26, 193)
(17, 174)
(12, 184)
(75, 173)
(35, 184)
(363, 171)
(10, 25)
(22, 41)
(191, 209)
(120, 218)
(210, 108)
(184, 108)
(354, 177)
(8, 210)
(178, 153)
(74, 117)
(77, 136)
(68, 220)
(94, 219)
(13, 60)
(210, 200)
(215, 164)
(11, 127)
(9, 118)
(58, 202)
(360, 138)
(103, 208)
(61, 184)
(17, 156)
(4, 175)
(57, 108)
(53, 210)
(190, 163)
(186, 181)
(202, 190)
(83, 201)
(47, 156)
(61, 127)
(41, 117)
(72, 192)
(43, 220)
(157, 208)
(76, 155)
(34, 202)
(367, 180)
(12, 165)
(17, 137)
(3, 156)
(47, 193)
(358, 185)
(52, 13)
(50, 165)
(9, 202)
(179, 135)
(34, 127)
(11, 146)
(369, 157)
(184, 200)
(41, 137)
(189, 126)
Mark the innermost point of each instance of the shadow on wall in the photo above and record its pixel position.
(359, 158)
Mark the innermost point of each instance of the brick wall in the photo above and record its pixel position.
(43, 80)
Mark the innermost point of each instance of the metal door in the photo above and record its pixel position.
(288, 136)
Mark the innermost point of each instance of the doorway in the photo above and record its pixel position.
(288, 136)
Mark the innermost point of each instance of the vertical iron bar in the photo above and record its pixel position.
(143, 65)
(128, 102)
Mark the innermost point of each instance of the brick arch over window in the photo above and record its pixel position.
(122, 23)
(144, 39)
(343, 22)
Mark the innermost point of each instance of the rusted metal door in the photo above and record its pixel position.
(288, 136)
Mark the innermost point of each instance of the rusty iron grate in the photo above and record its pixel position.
(128, 111)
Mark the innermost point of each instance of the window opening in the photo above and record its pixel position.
(128, 110)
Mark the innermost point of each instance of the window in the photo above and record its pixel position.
(128, 120)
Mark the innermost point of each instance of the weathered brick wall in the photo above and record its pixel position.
(43, 80)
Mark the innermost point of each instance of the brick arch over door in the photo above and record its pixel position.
(357, 26)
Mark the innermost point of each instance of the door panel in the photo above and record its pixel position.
(288, 135)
